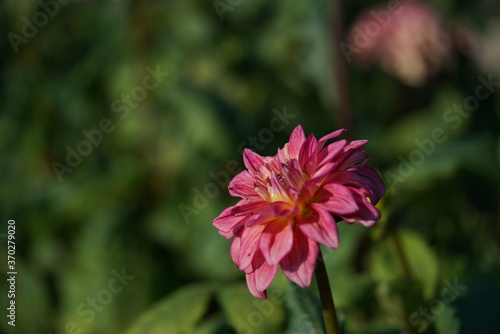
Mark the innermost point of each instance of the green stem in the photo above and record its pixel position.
(325, 294)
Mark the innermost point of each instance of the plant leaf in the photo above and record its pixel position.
(178, 313)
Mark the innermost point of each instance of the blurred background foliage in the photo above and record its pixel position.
(142, 201)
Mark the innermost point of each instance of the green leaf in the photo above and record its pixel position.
(248, 314)
(214, 325)
(305, 312)
(398, 299)
(178, 313)
(424, 266)
(447, 322)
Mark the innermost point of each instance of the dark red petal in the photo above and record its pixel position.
(366, 178)
(356, 159)
(367, 213)
(373, 182)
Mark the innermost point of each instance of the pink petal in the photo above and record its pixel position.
(308, 155)
(328, 153)
(252, 286)
(252, 161)
(233, 217)
(366, 178)
(227, 225)
(354, 160)
(226, 222)
(250, 239)
(297, 139)
(367, 213)
(245, 208)
(325, 171)
(278, 191)
(308, 190)
(260, 279)
(336, 199)
(235, 249)
(355, 144)
(276, 241)
(298, 265)
(334, 134)
(272, 211)
(319, 226)
(243, 185)
(292, 174)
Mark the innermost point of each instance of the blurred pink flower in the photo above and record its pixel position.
(288, 203)
(408, 41)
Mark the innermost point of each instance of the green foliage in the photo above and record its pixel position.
(178, 313)
(385, 262)
(305, 312)
(247, 314)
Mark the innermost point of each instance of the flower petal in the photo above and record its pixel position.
(336, 199)
(250, 237)
(328, 154)
(253, 161)
(233, 217)
(276, 240)
(372, 180)
(272, 211)
(292, 174)
(366, 178)
(319, 226)
(308, 155)
(297, 139)
(367, 214)
(259, 280)
(354, 158)
(334, 134)
(298, 265)
(252, 286)
(277, 191)
(235, 249)
(243, 185)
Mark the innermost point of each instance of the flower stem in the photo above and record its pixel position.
(325, 294)
(343, 110)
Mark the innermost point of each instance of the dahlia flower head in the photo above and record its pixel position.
(292, 201)
(411, 43)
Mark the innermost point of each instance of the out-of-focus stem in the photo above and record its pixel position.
(403, 259)
(342, 112)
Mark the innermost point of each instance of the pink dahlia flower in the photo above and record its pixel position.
(410, 41)
(292, 201)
